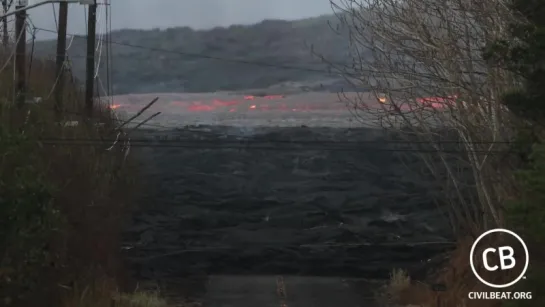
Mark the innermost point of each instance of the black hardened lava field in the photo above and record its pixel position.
(283, 201)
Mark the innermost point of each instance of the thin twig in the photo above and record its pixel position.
(139, 113)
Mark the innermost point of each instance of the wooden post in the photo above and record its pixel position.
(91, 37)
(5, 36)
(61, 56)
(20, 55)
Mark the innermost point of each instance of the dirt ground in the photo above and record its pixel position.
(292, 291)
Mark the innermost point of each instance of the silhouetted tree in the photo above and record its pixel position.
(524, 54)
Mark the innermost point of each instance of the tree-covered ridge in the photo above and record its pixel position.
(274, 42)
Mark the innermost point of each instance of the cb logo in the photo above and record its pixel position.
(504, 254)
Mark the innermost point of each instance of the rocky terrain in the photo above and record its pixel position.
(305, 201)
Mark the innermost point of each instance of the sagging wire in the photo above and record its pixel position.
(11, 56)
(55, 16)
(33, 34)
(139, 112)
(115, 141)
(64, 66)
(14, 89)
(126, 147)
(127, 144)
(70, 43)
(109, 50)
(100, 43)
(85, 18)
(145, 121)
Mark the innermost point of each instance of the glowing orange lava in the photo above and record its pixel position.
(273, 97)
(272, 103)
(438, 102)
(200, 108)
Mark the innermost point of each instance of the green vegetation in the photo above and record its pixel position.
(501, 102)
(524, 55)
(61, 206)
(103, 293)
(274, 42)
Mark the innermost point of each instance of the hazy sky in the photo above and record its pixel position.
(145, 14)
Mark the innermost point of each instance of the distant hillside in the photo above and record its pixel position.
(276, 42)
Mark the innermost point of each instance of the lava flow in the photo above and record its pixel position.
(249, 102)
(297, 103)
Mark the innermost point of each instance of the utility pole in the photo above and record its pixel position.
(91, 37)
(22, 5)
(61, 56)
(20, 56)
(5, 37)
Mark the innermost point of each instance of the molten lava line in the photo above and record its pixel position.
(234, 105)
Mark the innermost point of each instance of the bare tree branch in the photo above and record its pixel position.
(407, 49)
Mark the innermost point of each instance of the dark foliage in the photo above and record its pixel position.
(524, 54)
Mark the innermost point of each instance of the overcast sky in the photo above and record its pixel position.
(200, 14)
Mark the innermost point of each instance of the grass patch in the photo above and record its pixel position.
(399, 282)
(458, 280)
(104, 293)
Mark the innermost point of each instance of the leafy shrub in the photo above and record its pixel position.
(27, 213)
(528, 213)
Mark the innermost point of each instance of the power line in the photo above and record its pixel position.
(183, 128)
(246, 144)
(188, 249)
(198, 145)
(246, 141)
(108, 49)
(117, 120)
